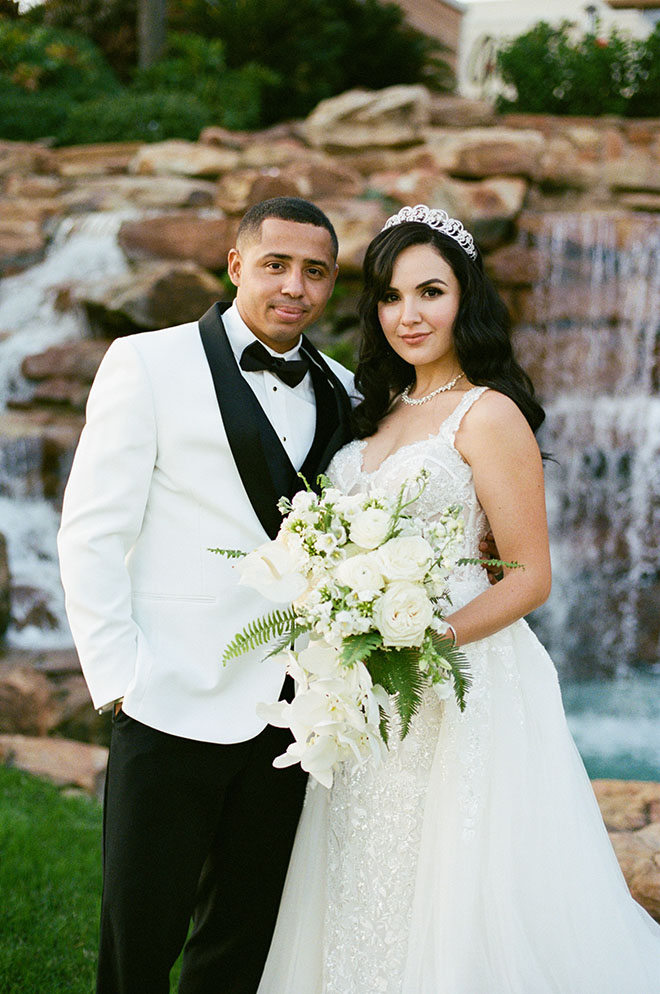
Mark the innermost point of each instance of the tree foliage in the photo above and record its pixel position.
(557, 70)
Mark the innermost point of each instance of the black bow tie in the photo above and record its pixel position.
(291, 371)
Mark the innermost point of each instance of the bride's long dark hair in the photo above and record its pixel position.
(482, 331)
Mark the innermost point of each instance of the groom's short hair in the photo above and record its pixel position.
(285, 209)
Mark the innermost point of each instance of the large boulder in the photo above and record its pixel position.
(631, 811)
(356, 223)
(26, 701)
(182, 235)
(184, 158)
(93, 160)
(394, 116)
(63, 762)
(156, 295)
(148, 192)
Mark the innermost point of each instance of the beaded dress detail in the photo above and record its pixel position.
(474, 859)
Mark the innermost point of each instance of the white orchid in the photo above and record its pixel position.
(271, 570)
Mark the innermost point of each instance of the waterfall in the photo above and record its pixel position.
(84, 249)
(592, 353)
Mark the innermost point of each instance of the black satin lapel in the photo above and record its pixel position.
(333, 414)
(249, 433)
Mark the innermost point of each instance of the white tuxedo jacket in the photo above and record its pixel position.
(177, 457)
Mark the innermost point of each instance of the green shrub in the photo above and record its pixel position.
(197, 65)
(554, 70)
(144, 117)
(31, 116)
(110, 24)
(41, 59)
(318, 48)
(645, 99)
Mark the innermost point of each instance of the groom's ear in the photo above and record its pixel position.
(234, 266)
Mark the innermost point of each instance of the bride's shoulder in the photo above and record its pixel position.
(492, 418)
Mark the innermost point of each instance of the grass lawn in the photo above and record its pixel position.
(50, 888)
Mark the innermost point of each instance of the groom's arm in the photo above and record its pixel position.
(104, 505)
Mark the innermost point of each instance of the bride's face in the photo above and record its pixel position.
(418, 311)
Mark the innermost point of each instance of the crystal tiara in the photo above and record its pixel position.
(437, 219)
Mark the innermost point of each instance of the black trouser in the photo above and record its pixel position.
(193, 829)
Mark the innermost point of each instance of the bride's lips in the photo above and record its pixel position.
(414, 339)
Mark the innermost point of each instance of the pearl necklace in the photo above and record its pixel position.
(414, 401)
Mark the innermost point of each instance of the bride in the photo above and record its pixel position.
(474, 859)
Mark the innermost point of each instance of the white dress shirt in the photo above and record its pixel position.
(290, 410)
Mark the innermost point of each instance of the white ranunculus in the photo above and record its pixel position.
(370, 527)
(360, 573)
(271, 570)
(407, 557)
(403, 614)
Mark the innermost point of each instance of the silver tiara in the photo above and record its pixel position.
(437, 219)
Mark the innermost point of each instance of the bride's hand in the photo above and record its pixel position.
(489, 549)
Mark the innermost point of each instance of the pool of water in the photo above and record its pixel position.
(616, 725)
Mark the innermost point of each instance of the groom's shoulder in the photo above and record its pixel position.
(148, 343)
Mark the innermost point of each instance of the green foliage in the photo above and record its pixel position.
(277, 624)
(317, 48)
(147, 117)
(41, 59)
(397, 671)
(196, 65)
(645, 100)
(31, 116)
(457, 664)
(110, 24)
(358, 648)
(557, 71)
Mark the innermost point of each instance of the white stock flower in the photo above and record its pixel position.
(408, 557)
(271, 570)
(403, 614)
(370, 527)
(361, 573)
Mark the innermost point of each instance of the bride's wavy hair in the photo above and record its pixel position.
(481, 333)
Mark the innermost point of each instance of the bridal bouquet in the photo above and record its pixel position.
(368, 581)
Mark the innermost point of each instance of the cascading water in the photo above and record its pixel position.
(592, 354)
(84, 250)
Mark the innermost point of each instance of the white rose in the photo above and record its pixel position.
(403, 614)
(408, 557)
(360, 573)
(370, 527)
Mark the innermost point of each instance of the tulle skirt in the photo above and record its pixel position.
(473, 861)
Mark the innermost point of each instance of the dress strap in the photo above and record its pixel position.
(453, 422)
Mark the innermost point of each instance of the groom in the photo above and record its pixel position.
(192, 435)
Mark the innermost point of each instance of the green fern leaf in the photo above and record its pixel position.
(229, 553)
(259, 632)
(397, 671)
(358, 648)
(458, 666)
(287, 639)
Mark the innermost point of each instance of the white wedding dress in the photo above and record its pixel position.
(474, 860)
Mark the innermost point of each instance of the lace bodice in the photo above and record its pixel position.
(450, 482)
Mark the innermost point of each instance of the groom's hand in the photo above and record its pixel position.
(489, 551)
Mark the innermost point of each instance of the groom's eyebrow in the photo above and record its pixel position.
(321, 263)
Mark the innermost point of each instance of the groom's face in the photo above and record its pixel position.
(284, 278)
